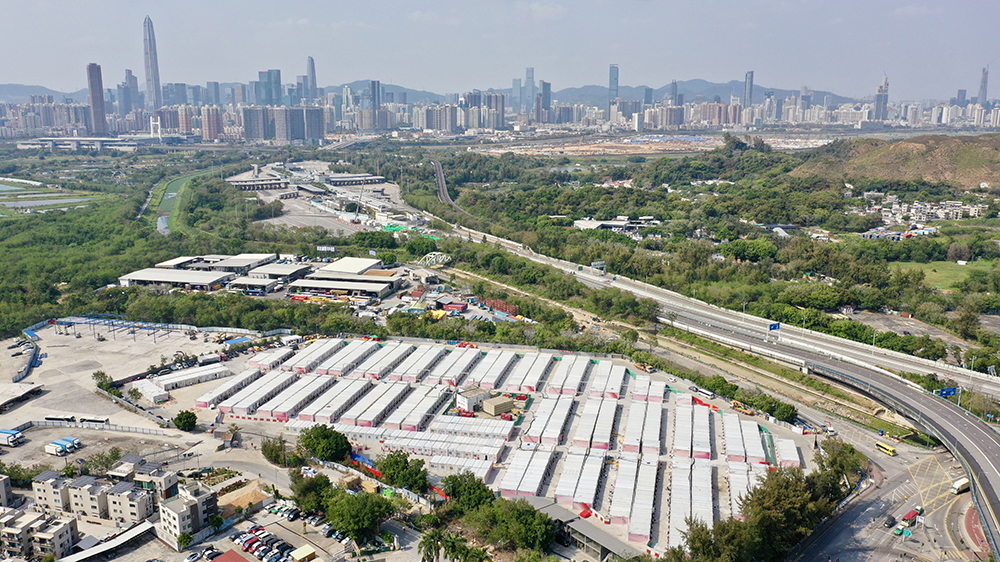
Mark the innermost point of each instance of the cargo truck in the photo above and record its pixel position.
(960, 485)
(11, 438)
(68, 445)
(76, 442)
(55, 449)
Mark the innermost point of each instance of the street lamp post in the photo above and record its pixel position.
(874, 333)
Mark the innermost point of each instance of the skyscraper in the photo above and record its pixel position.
(647, 96)
(96, 98)
(528, 95)
(748, 89)
(672, 96)
(128, 94)
(546, 94)
(376, 91)
(153, 95)
(612, 84)
(982, 86)
(882, 101)
(311, 73)
(515, 96)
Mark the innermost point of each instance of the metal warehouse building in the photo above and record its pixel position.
(204, 280)
(373, 290)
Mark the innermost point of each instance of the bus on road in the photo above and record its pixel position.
(891, 451)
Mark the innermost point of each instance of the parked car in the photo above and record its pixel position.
(293, 515)
(213, 555)
(193, 557)
(889, 522)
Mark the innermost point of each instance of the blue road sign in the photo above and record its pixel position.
(775, 326)
(907, 533)
(950, 391)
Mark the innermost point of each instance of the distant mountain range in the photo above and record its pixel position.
(588, 95)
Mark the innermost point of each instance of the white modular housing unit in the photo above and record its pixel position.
(344, 363)
(459, 360)
(652, 428)
(152, 392)
(188, 377)
(418, 364)
(640, 391)
(430, 444)
(621, 501)
(787, 452)
(575, 377)
(246, 401)
(701, 433)
(316, 353)
(539, 469)
(268, 360)
(657, 389)
(680, 500)
(288, 403)
(468, 362)
(482, 367)
(751, 441)
(682, 430)
(383, 361)
(702, 492)
(533, 379)
(559, 373)
(585, 425)
(590, 481)
(441, 464)
(492, 379)
(556, 427)
(472, 427)
(632, 438)
(739, 485)
(520, 371)
(543, 413)
(517, 465)
(617, 378)
(733, 432)
(372, 407)
(599, 378)
(640, 522)
(328, 407)
(604, 429)
(227, 389)
(395, 419)
(417, 419)
(569, 477)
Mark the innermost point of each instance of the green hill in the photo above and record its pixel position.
(966, 161)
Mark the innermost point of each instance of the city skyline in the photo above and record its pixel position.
(834, 54)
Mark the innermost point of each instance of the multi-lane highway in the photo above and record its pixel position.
(864, 367)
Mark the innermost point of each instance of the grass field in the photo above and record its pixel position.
(946, 274)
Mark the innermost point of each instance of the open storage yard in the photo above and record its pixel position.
(594, 434)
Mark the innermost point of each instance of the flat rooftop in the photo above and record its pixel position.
(280, 268)
(356, 266)
(244, 260)
(253, 281)
(354, 277)
(334, 285)
(176, 262)
(153, 275)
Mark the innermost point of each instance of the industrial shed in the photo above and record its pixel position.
(354, 289)
(203, 280)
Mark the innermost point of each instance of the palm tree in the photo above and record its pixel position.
(474, 554)
(430, 545)
(454, 546)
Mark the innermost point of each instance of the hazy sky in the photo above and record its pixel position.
(928, 48)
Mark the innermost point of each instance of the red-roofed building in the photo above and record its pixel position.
(232, 556)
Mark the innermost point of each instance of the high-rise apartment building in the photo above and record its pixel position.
(672, 93)
(748, 89)
(313, 92)
(515, 96)
(128, 94)
(95, 84)
(213, 95)
(982, 87)
(153, 95)
(211, 123)
(882, 101)
(612, 84)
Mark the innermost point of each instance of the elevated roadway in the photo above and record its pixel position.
(861, 366)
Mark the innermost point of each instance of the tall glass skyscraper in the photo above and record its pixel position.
(154, 98)
(95, 84)
(612, 84)
(748, 89)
